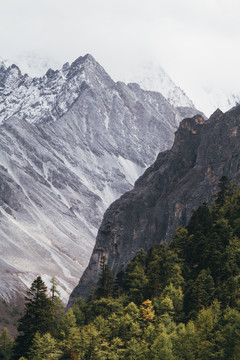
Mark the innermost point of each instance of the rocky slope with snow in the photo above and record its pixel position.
(179, 181)
(71, 142)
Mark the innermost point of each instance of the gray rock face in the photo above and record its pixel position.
(71, 142)
(164, 197)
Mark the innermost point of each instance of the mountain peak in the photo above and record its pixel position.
(49, 96)
(152, 77)
(82, 60)
(3, 66)
(89, 57)
(216, 115)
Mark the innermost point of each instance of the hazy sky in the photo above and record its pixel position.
(195, 41)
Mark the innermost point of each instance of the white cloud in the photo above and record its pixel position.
(197, 42)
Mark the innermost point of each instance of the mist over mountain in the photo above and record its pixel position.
(72, 141)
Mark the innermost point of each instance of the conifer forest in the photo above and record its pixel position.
(174, 302)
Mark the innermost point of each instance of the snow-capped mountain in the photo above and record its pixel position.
(71, 142)
(209, 99)
(154, 78)
(31, 63)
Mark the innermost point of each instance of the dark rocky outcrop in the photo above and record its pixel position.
(165, 196)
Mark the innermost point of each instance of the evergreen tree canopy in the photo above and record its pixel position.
(6, 345)
(38, 316)
(105, 282)
(175, 302)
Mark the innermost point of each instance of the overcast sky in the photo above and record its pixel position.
(195, 41)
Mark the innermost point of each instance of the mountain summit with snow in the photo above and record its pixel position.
(71, 142)
(153, 77)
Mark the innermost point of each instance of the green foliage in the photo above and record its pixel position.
(38, 316)
(41, 315)
(209, 249)
(6, 345)
(69, 336)
(225, 191)
(136, 280)
(44, 348)
(231, 333)
(105, 282)
(162, 348)
(162, 268)
(103, 307)
(79, 309)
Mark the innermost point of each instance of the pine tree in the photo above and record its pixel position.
(38, 316)
(55, 294)
(6, 345)
(69, 336)
(224, 185)
(120, 283)
(105, 282)
(136, 282)
(162, 348)
(44, 347)
(202, 291)
(57, 306)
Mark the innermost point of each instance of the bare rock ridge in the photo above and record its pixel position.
(71, 142)
(164, 197)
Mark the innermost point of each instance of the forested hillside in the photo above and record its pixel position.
(176, 302)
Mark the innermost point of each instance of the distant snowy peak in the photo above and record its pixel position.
(209, 99)
(152, 77)
(32, 63)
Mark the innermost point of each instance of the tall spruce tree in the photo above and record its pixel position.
(38, 316)
(6, 345)
(224, 185)
(105, 282)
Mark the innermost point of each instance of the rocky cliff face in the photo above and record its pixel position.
(71, 142)
(164, 197)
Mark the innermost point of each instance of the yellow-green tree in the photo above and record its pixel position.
(147, 311)
(44, 348)
(6, 345)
